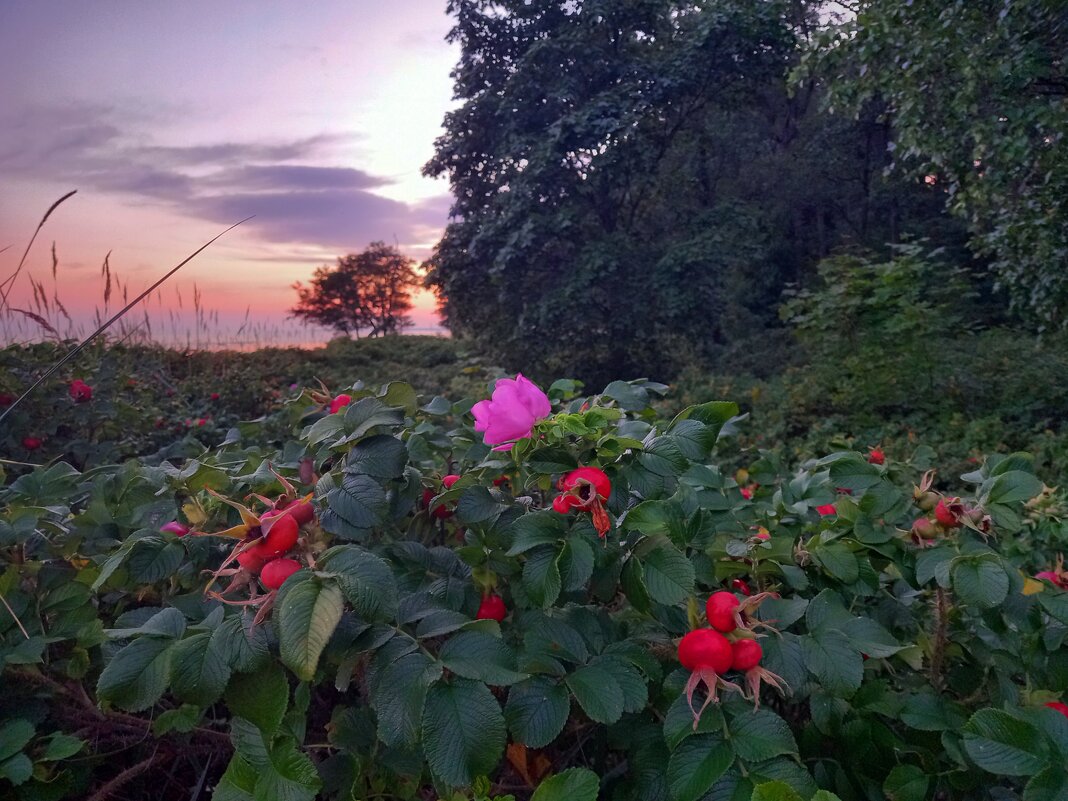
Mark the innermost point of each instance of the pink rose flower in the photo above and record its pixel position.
(511, 412)
(174, 527)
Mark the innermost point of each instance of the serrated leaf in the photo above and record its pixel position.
(575, 564)
(366, 580)
(597, 692)
(1049, 785)
(536, 528)
(662, 456)
(380, 456)
(830, 657)
(306, 613)
(696, 764)
(979, 582)
(870, 638)
(906, 783)
(1013, 486)
(541, 576)
(1003, 745)
(199, 672)
(289, 775)
(237, 783)
(775, 791)
(14, 734)
(356, 506)
(136, 676)
(463, 731)
(16, 769)
(669, 575)
(61, 746)
(678, 722)
(475, 655)
(575, 784)
(397, 693)
(243, 647)
(760, 734)
(537, 710)
(838, 560)
(260, 697)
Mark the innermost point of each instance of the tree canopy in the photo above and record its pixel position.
(365, 292)
(636, 183)
(977, 94)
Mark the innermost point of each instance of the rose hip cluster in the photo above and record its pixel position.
(949, 514)
(729, 645)
(267, 549)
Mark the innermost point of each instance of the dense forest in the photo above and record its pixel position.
(638, 183)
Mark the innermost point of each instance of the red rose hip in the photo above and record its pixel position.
(722, 609)
(492, 608)
(705, 649)
(745, 655)
(275, 573)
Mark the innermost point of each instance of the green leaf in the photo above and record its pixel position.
(678, 722)
(14, 735)
(1001, 744)
(541, 576)
(381, 456)
(575, 564)
(478, 505)
(669, 575)
(17, 769)
(474, 655)
(663, 457)
(838, 560)
(366, 581)
(306, 613)
(870, 638)
(906, 783)
(598, 693)
(198, 670)
(853, 472)
(153, 559)
(980, 581)
(367, 413)
(775, 791)
(289, 775)
(575, 784)
(696, 764)
(1049, 785)
(61, 746)
(243, 647)
(831, 658)
(629, 678)
(761, 734)
(550, 460)
(463, 731)
(237, 783)
(1014, 486)
(398, 687)
(401, 395)
(536, 528)
(136, 676)
(260, 697)
(537, 710)
(358, 505)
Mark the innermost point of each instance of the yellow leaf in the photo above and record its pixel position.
(1032, 587)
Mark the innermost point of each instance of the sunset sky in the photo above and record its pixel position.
(174, 120)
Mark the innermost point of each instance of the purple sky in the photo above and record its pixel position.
(174, 120)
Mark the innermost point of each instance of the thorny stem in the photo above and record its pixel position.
(940, 633)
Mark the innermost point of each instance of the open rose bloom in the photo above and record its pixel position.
(511, 412)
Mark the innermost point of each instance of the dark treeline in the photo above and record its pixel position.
(638, 181)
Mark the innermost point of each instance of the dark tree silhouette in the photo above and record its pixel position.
(368, 291)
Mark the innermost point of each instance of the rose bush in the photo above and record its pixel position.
(512, 648)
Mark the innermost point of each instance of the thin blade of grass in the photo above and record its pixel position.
(104, 327)
(9, 282)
